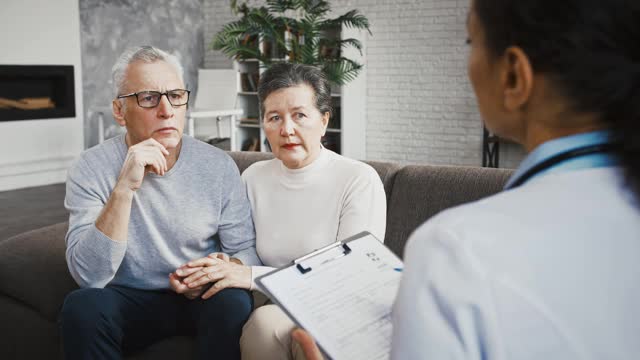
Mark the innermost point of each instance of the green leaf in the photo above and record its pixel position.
(280, 6)
(341, 71)
(352, 19)
(309, 35)
(342, 44)
(317, 8)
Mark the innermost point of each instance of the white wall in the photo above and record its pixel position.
(40, 32)
(420, 105)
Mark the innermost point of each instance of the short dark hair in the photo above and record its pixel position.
(284, 75)
(588, 49)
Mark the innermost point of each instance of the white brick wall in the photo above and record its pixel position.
(420, 106)
(217, 13)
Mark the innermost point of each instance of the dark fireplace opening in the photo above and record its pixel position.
(36, 92)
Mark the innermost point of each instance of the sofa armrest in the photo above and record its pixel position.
(33, 269)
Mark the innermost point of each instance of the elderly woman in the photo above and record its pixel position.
(545, 269)
(304, 199)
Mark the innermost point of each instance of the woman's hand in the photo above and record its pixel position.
(218, 269)
(308, 345)
(176, 278)
(186, 270)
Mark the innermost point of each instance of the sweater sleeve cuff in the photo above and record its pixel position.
(96, 258)
(256, 272)
(248, 256)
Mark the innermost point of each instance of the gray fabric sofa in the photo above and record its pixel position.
(34, 279)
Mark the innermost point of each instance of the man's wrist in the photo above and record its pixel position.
(123, 191)
(236, 260)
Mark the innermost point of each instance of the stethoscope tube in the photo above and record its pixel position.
(564, 156)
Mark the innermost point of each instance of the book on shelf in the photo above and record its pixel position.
(249, 81)
(251, 144)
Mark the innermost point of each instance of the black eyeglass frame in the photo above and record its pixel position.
(166, 93)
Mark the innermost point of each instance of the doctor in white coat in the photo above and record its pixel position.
(548, 268)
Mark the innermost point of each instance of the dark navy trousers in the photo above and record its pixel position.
(115, 321)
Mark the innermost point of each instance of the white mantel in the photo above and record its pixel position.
(40, 32)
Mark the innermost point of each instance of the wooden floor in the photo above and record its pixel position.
(27, 209)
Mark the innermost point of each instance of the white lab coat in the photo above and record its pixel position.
(548, 270)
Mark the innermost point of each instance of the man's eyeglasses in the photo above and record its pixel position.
(151, 99)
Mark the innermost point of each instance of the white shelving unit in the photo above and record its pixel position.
(248, 132)
(213, 117)
(346, 132)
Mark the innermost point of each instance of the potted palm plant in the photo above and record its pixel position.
(295, 31)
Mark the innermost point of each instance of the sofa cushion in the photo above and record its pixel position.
(419, 192)
(33, 269)
(25, 333)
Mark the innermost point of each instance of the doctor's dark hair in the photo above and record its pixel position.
(284, 75)
(588, 49)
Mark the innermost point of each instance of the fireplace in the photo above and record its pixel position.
(36, 92)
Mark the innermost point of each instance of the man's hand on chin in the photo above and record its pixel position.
(148, 155)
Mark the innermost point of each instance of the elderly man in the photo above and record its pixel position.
(143, 204)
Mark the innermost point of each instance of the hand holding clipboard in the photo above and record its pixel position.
(342, 294)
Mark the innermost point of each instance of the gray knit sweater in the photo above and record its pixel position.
(198, 207)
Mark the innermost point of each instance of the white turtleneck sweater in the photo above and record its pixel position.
(296, 211)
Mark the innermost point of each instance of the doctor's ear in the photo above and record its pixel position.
(117, 109)
(516, 78)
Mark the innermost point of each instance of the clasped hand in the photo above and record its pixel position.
(191, 278)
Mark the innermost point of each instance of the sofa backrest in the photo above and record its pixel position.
(387, 172)
(245, 158)
(421, 191)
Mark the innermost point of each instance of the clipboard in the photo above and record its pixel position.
(341, 294)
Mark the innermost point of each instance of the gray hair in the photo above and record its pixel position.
(147, 54)
(284, 75)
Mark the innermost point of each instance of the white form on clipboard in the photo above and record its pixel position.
(342, 294)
